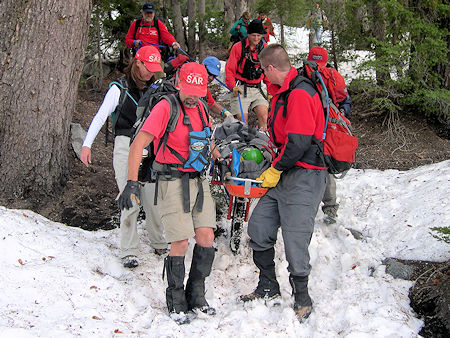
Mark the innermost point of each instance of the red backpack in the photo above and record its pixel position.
(339, 143)
(334, 81)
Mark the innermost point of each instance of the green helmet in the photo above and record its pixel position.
(253, 154)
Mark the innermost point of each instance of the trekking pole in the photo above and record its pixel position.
(106, 131)
(154, 44)
(240, 106)
(161, 46)
(239, 98)
(185, 53)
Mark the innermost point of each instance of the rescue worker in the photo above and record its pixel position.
(183, 196)
(316, 23)
(139, 75)
(330, 206)
(243, 74)
(149, 31)
(296, 180)
(268, 26)
(213, 66)
(239, 30)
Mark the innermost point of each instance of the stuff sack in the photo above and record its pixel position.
(339, 144)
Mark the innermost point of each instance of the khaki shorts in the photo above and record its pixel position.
(179, 225)
(254, 98)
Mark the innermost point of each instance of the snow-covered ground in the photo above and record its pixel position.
(58, 281)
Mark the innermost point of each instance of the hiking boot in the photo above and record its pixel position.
(182, 318)
(202, 260)
(329, 220)
(130, 261)
(268, 287)
(175, 296)
(160, 252)
(273, 299)
(302, 300)
(302, 312)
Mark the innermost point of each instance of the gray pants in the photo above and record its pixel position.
(291, 205)
(329, 197)
(129, 239)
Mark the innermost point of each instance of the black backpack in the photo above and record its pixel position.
(123, 86)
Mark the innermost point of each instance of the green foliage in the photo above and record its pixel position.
(217, 27)
(441, 234)
(409, 48)
(293, 13)
(433, 102)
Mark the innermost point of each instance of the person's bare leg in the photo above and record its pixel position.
(261, 113)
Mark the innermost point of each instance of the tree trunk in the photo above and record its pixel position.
(333, 50)
(202, 29)
(228, 8)
(238, 9)
(379, 32)
(191, 7)
(281, 31)
(42, 46)
(177, 19)
(99, 52)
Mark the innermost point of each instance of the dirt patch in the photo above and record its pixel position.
(430, 297)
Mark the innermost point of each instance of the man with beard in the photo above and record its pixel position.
(181, 134)
(149, 31)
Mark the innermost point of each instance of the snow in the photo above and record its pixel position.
(60, 281)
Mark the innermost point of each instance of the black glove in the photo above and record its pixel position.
(223, 168)
(132, 190)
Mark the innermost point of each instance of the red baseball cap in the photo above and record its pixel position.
(151, 58)
(193, 79)
(318, 54)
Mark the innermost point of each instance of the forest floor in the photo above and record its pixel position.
(88, 199)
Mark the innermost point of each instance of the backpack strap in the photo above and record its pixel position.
(244, 50)
(282, 99)
(171, 124)
(123, 86)
(177, 108)
(156, 23)
(295, 83)
(136, 27)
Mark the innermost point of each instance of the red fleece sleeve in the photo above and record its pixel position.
(166, 37)
(231, 66)
(129, 37)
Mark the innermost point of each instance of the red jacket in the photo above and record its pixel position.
(268, 27)
(232, 69)
(293, 134)
(147, 32)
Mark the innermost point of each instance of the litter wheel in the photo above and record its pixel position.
(237, 222)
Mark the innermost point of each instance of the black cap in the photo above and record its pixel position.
(148, 7)
(255, 26)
